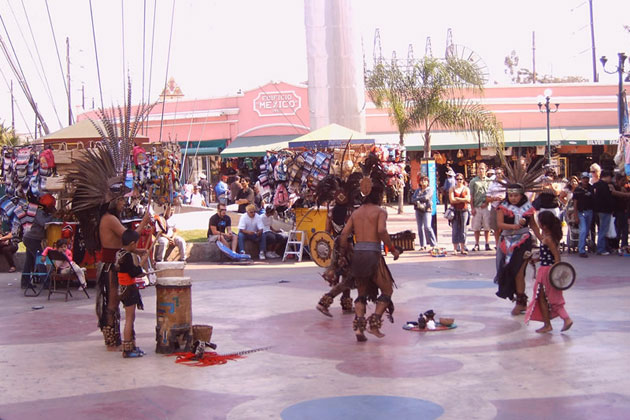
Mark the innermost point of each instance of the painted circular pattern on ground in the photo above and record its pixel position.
(400, 365)
(462, 284)
(374, 407)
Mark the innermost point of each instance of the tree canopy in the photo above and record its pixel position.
(431, 94)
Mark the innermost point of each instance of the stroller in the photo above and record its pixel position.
(573, 238)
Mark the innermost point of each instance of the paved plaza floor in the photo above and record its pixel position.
(54, 365)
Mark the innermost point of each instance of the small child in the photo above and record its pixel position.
(549, 301)
(65, 268)
(129, 294)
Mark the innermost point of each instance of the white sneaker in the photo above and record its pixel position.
(275, 255)
(269, 254)
(261, 255)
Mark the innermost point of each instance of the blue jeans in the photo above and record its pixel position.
(586, 218)
(423, 220)
(604, 225)
(252, 237)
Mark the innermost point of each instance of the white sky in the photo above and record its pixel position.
(219, 46)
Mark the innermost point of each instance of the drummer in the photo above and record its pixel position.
(549, 301)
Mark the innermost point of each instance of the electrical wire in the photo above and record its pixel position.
(168, 59)
(151, 61)
(41, 74)
(19, 74)
(122, 25)
(144, 33)
(98, 69)
(27, 125)
(52, 29)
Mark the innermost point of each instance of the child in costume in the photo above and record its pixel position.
(549, 301)
(128, 270)
(64, 267)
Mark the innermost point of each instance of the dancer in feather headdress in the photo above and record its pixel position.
(369, 225)
(98, 179)
(515, 217)
(342, 195)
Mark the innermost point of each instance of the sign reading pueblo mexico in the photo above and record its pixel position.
(277, 103)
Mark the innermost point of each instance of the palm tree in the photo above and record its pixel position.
(390, 87)
(440, 101)
(8, 136)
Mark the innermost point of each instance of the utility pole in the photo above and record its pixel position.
(534, 57)
(595, 77)
(68, 76)
(83, 97)
(12, 109)
(36, 118)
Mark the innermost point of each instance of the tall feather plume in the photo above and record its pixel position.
(95, 171)
(527, 177)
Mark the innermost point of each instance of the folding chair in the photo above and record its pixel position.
(56, 278)
(39, 278)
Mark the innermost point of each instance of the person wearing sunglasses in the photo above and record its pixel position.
(459, 196)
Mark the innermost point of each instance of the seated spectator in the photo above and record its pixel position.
(197, 199)
(165, 229)
(250, 227)
(8, 248)
(245, 196)
(220, 228)
(270, 235)
(66, 267)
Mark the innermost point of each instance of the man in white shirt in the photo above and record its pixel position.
(270, 235)
(197, 199)
(165, 229)
(251, 227)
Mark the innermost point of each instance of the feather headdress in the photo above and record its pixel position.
(528, 179)
(98, 175)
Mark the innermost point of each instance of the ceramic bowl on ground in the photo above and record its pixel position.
(447, 322)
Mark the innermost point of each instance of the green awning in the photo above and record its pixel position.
(201, 151)
(256, 145)
(444, 140)
(202, 143)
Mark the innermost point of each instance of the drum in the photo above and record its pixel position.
(562, 275)
(170, 268)
(321, 247)
(173, 331)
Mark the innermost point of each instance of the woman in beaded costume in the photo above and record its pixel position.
(515, 217)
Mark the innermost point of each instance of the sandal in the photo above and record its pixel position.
(464, 252)
(12, 270)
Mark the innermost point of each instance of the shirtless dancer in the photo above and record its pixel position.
(110, 231)
(369, 225)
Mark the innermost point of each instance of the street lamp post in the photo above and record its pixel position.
(620, 71)
(544, 101)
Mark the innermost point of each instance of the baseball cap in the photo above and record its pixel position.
(585, 175)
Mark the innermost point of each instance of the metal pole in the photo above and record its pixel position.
(595, 77)
(547, 99)
(622, 58)
(12, 109)
(533, 57)
(68, 75)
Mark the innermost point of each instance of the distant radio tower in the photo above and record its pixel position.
(377, 51)
(410, 59)
(427, 48)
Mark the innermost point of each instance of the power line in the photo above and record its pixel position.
(168, 60)
(27, 125)
(43, 79)
(52, 29)
(98, 69)
(19, 74)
